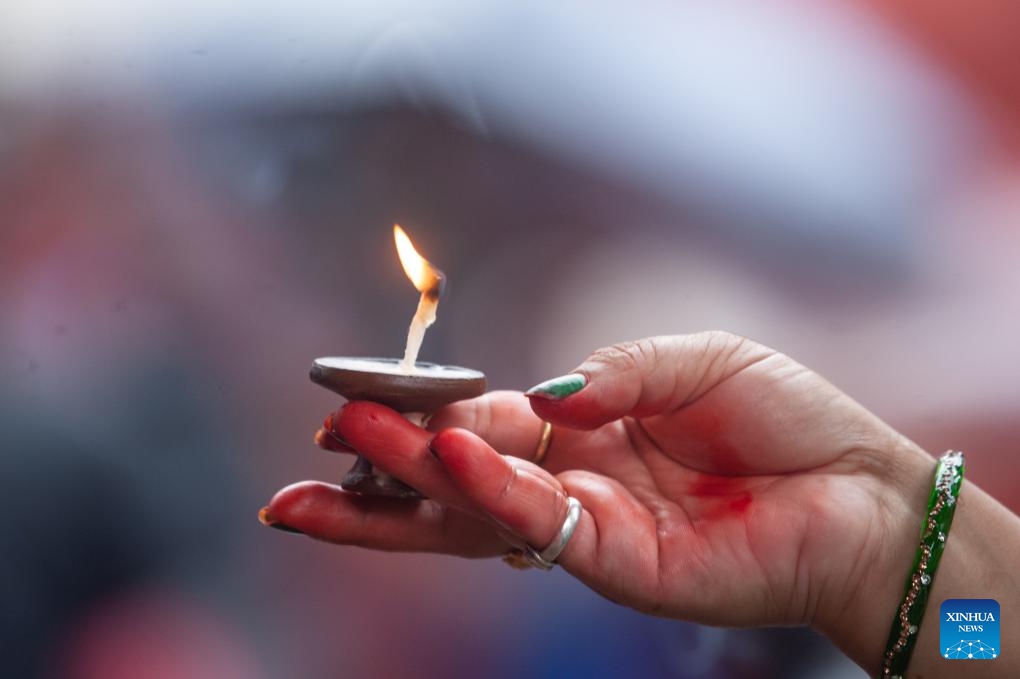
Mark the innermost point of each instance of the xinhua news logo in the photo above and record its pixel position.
(970, 629)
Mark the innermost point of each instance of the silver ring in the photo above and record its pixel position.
(546, 559)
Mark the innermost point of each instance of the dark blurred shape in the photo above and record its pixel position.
(96, 514)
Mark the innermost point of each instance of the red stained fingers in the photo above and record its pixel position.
(326, 512)
(397, 447)
(327, 440)
(523, 499)
(503, 419)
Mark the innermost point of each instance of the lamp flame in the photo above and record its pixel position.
(426, 278)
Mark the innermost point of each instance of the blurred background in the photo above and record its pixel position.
(196, 200)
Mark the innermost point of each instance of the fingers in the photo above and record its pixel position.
(327, 440)
(329, 513)
(642, 378)
(396, 447)
(524, 499)
(502, 418)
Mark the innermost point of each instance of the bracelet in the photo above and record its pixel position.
(934, 530)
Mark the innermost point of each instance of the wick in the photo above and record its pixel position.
(423, 318)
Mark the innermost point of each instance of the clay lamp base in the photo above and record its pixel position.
(416, 395)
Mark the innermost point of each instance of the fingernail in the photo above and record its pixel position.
(558, 387)
(266, 519)
(329, 426)
(327, 440)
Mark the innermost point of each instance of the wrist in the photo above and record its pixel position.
(863, 598)
(979, 563)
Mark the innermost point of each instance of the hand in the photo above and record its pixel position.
(721, 481)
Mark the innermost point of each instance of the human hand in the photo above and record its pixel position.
(721, 481)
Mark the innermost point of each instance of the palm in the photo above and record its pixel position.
(716, 513)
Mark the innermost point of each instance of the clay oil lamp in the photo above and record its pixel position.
(411, 387)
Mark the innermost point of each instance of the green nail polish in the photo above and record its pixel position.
(559, 387)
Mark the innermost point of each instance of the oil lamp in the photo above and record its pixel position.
(415, 389)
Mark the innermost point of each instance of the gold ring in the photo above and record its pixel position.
(543, 443)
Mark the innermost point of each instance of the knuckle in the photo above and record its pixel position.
(719, 347)
(483, 422)
(557, 513)
(480, 417)
(645, 350)
(509, 483)
(633, 354)
(720, 341)
(610, 355)
(474, 415)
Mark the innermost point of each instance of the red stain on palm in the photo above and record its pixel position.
(712, 485)
(708, 428)
(720, 497)
(707, 423)
(740, 505)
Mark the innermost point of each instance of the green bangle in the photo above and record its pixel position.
(934, 530)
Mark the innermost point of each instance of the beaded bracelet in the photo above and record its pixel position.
(934, 529)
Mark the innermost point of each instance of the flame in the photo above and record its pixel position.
(425, 277)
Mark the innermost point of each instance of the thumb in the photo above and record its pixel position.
(642, 378)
